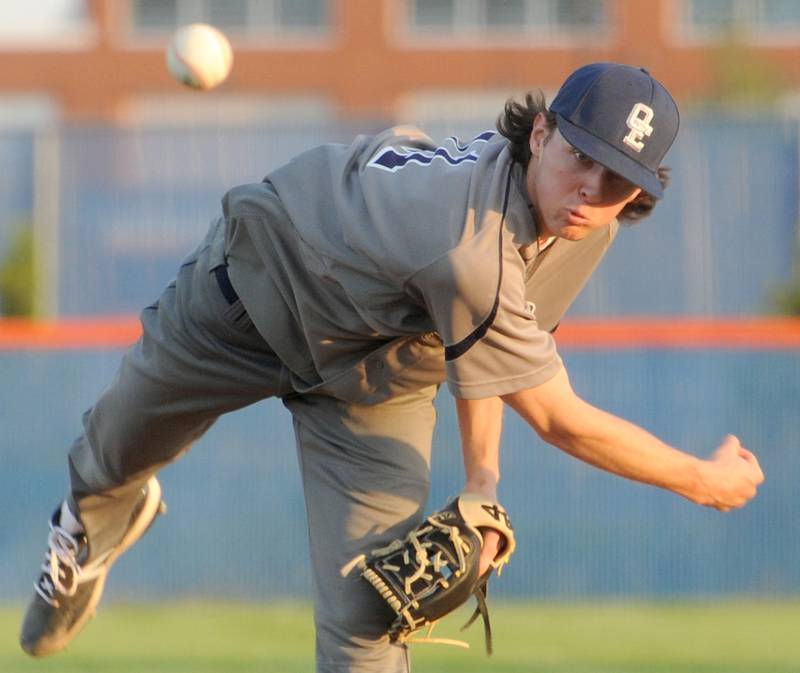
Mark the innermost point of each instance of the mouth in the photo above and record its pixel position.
(574, 217)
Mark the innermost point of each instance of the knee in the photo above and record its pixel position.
(352, 637)
(352, 621)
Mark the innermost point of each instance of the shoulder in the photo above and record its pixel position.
(248, 199)
(401, 134)
(407, 146)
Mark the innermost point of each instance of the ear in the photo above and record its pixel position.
(539, 134)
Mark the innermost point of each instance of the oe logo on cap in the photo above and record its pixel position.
(639, 124)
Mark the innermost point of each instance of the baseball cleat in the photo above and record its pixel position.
(71, 585)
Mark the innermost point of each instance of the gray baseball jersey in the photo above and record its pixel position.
(359, 263)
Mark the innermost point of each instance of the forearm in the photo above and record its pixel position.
(605, 441)
(480, 423)
(617, 446)
(729, 479)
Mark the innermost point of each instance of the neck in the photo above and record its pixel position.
(542, 233)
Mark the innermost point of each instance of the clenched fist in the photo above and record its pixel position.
(730, 478)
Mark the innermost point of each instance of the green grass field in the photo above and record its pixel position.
(598, 637)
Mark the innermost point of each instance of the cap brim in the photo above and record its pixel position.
(610, 157)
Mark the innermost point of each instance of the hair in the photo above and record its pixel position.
(516, 124)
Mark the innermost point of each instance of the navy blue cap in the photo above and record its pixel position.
(620, 117)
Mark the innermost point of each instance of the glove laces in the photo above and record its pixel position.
(482, 610)
(61, 570)
(423, 563)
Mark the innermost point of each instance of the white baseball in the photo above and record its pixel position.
(199, 56)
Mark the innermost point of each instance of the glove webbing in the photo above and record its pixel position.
(423, 560)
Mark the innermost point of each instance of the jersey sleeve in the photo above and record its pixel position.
(476, 300)
(397, 137)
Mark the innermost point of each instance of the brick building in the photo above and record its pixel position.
(388, 59)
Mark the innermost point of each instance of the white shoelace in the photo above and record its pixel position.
(61, 570)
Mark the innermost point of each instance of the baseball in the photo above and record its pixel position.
(199, 56)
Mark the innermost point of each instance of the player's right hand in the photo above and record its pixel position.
(490, 549)
(731, 476)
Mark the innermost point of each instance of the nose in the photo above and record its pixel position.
(591, 190)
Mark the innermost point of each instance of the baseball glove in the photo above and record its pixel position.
(434, 569)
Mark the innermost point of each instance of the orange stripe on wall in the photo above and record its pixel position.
(600, 334)
(680, 333)
(74, 333)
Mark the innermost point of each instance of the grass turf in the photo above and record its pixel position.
(597, 637)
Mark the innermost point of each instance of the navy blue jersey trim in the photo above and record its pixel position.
(225, 285)
(458, 349)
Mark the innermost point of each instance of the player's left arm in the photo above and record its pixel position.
(480, 423)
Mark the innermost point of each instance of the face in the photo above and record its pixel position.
(571, 193)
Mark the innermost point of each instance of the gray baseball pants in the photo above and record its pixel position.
(365, 469)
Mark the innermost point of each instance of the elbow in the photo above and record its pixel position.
(539, 417)
(552, 410)
(547, 427)
(557, 429)
(549, 433)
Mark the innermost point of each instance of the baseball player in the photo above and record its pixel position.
(350, 283)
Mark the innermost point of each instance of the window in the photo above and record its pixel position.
(230, 16)
(46, 24)
(714, 19)
(780, 14)
(434, 15)
(523, 17)
(303, 14)
(503, 14)
(712, 14)
(155, 15)
(240, 18)
(579, 13)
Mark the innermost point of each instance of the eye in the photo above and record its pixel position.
(581, 157)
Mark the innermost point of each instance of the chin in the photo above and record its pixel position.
(572, 233)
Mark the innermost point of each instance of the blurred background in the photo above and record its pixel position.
(111, 171)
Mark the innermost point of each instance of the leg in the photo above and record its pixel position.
(366, 476)
(199, 357)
